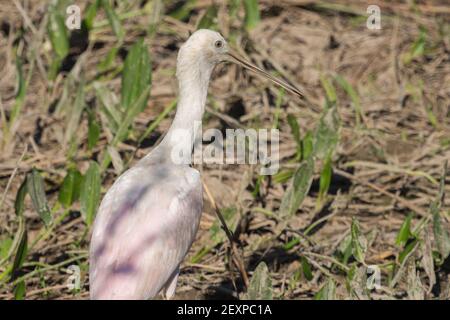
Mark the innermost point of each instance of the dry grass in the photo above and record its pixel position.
(385, 167)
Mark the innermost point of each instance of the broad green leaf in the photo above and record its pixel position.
(136, 77)
(307, 145)
(328, 291)
(327, 134)
(405, 231)
(260, 287)
(122, 131)
(295, 130)
(58, 32)
(93, 130)
(5, 246)
(35, 187)
(90, 193)
(208, 19)
(344, 248)
(330, 91)
(20, 197)
(306, 268)
(131, 113)
(252, 16)
(298, 188)
(70, 189)
(113, 19)
(359, 242)
(325, 179)
(19, 291)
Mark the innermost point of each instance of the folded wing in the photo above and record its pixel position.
(144, 227)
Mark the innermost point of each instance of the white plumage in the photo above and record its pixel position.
(148, 219)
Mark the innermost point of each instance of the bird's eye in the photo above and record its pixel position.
(218, 44)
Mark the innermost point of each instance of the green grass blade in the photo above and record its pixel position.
(158, 119)
(405, 231)
(113, 19)
(208, 21)
(110, 106)
(295, 130)
(252, 16)
(21, 254)
(184, 11)
(20, 197)
(57, 32)
(21, 90)
(353, 94)
(73, 117)
(90, 14)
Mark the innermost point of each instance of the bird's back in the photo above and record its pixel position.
(144, 227)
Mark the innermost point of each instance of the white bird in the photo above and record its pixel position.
(148, 219)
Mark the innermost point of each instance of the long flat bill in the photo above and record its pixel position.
(240, 61)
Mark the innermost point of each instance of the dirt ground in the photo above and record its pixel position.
(393, 101)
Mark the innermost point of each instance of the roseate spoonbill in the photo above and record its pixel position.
(148, 219)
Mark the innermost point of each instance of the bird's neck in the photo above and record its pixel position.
(179, 140)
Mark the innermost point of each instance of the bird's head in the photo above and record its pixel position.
(205, 49)
(205, 46)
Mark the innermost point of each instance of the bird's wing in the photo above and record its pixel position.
(144, 227)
